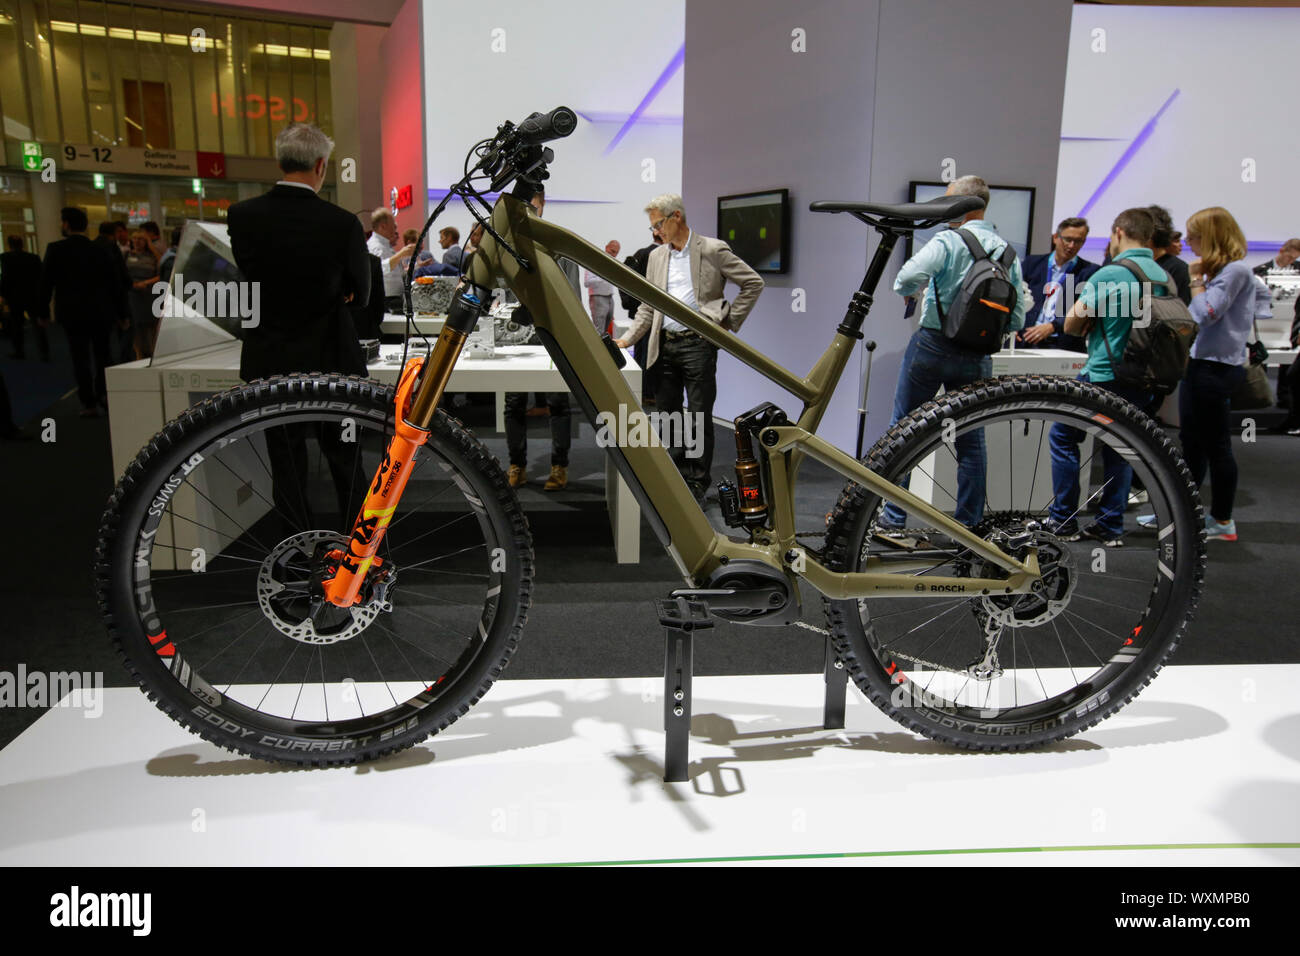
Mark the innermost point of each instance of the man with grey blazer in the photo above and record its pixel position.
(695, 270)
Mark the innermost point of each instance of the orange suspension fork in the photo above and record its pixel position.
(418, 393)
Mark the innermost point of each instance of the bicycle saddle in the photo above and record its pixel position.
(907, 215)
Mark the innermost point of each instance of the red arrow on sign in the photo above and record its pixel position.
(211, 165)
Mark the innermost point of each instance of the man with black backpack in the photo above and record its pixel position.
(971, 281)
(1116, 309)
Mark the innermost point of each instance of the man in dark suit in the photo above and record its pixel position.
(1165, 246)
(81, 279)
(1053, 278)
(637, 262)
(309, 260)
(20, 282)
(123, 349)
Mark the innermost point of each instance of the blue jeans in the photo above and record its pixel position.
(1117, 474)
(931, 361)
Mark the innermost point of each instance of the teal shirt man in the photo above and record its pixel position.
(1114, 297)
(945, 259)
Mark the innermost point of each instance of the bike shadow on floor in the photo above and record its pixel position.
(1268, 798)
(762, 741)
(784, 732)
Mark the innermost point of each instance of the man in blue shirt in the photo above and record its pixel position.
(1106, 306)
(1053, 279)
(932, 360)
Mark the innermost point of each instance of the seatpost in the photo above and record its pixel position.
(860, 304)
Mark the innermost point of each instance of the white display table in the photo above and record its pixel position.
(1010, 474)
(425, 325)
(142, 397)
(1015, 463)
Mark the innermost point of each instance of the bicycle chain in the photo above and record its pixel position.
(925, 663)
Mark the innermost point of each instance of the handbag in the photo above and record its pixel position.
(1254, 390)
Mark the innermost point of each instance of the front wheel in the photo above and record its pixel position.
(209, 546)
(1005, 672)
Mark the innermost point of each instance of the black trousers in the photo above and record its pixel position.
(557, 403)
(89, 345)
(689, 364)
(7, 425)
(291, 463)
(1205, 415)
(16, 319)
(649, 376)
(1291, 379)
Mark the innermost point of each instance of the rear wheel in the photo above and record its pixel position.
(208, 547)
(1002, 672)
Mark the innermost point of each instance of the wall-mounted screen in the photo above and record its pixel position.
(757, 227)
(1010, 208)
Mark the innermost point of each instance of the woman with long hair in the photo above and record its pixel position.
(1223, 299)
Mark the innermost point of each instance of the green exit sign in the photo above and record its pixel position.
(32, 156)
(196, 185)
(99, 180)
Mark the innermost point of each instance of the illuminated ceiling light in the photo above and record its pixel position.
(301, 52)
(126, 33)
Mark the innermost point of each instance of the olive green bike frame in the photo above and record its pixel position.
(679, 520)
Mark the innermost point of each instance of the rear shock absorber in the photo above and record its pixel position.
(744, 505)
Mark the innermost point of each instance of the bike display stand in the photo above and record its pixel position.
(680, 618)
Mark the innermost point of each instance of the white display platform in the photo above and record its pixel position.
(143, 396)
(1205, 763)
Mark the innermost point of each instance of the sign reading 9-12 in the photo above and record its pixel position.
(149, 162)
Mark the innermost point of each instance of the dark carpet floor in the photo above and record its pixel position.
(591, 617)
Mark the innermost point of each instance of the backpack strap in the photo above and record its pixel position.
(977, 251)
(1171, 287)
(1142, 279)
(1008, 256)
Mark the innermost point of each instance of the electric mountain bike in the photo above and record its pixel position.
(323, 569)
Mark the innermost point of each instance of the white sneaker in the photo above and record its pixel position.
(1227, 531)
(1146, 521)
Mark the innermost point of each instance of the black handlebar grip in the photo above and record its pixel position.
(543, 127)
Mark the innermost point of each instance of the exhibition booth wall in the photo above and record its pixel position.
(411, 79)
(1201, 118)
(616, 63)
(842, 99)
(885, 93)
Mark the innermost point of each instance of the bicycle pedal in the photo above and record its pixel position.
(684, 614)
